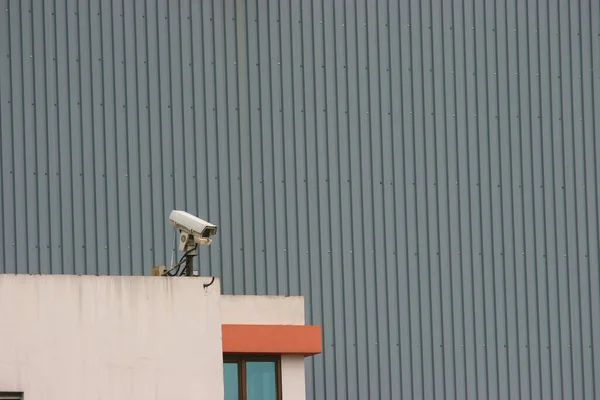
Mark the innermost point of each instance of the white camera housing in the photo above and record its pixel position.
(192, 229)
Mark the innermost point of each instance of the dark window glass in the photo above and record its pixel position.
(231, 378)
(261, 380)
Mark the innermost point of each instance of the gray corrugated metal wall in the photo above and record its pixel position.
(425, 173)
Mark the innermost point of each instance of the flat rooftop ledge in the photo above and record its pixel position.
(262, 310)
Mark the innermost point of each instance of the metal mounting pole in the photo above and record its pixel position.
(190, 249)
(189, 264)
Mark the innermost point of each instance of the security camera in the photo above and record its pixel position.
(192, 229)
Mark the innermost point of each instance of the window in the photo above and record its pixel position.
(252, 378)
(11, 396)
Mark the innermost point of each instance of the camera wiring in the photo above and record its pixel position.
(173, 251)
(178, 265)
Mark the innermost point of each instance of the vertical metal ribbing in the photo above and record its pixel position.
(595, 288)
(467, 129)
(3, 240)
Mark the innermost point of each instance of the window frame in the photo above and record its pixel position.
(11, 396)
(242, 359)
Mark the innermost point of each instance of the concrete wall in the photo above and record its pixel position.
(272, 310)
(127, 338)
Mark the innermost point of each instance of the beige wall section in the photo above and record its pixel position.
(293, 382)
(262, 310)
(271, 310)
(87, 337)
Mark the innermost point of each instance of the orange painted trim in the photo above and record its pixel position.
(272, 339)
